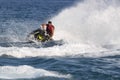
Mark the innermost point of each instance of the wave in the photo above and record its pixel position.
(66, 50)
(20, 72)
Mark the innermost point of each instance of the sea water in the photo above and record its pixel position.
(89, 29)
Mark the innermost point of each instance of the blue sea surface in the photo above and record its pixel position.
(32, 9)
(57, 62)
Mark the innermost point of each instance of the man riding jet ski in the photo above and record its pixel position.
(45, 33)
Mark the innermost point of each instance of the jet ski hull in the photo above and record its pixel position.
(38, 36)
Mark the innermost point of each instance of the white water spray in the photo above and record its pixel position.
(90, 21)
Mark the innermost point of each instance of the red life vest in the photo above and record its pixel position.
(50, 29)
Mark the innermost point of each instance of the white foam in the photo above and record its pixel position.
(12, 72)
(56, 51)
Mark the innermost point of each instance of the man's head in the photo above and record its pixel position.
(49, 22)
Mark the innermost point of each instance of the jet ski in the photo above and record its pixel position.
(37, 38)
(38, 35)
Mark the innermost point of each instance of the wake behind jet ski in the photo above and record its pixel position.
(45, 33)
